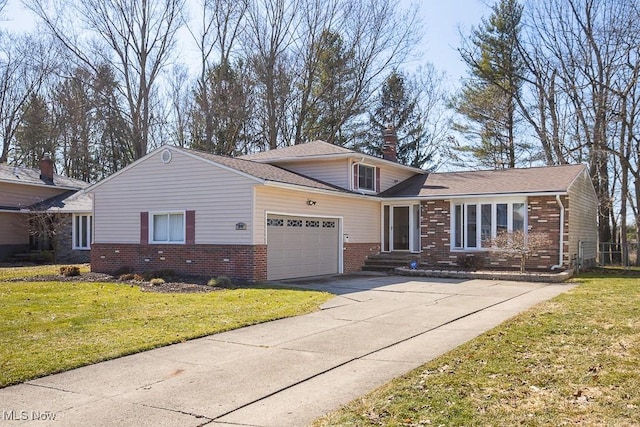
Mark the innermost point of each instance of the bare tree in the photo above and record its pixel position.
(135, 37)
(25, 62)
(582, 45)
(521, 245)
(270, 30)
(216, 34)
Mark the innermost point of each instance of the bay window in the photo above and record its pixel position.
(476, 222)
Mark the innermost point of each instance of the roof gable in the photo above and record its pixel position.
(549, 179)
(319, 151)
(265, 171)
(259, 172)
(309, 149)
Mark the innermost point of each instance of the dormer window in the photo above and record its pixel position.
(366, 178)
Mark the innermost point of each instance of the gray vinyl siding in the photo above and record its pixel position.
(340, 172)
(335, 172)
(583, 208)
(14, 229)
(390, 176)
(21, 195)
(220, 198)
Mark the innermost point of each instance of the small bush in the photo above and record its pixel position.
(166, 273)
(69, 270)
(44, 257)
(123, 270)
(157, 281)
(126, 277)
(221, 281)
(471, 263)
(138, 278)
(148, 275)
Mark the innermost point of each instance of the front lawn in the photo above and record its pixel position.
(573, 360)
(53, 326)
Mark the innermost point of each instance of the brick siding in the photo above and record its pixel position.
(243, 262)
(64, 251)
(355, 255)
(543, 216)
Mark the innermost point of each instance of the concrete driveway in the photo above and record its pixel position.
(282, 373)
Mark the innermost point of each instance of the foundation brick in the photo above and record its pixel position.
(243, 262)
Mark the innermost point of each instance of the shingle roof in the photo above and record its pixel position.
(267, 171)
(309, 149)
(20, 175)
(69, 201)
(552, 179)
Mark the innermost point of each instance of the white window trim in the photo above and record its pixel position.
(73, 232)
(360, 189)
(510, 201)
(184, 227)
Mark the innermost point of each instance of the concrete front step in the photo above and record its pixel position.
(389, 261)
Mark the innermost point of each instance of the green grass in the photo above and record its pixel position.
(573, 360)
(48, 327)
(9, 273)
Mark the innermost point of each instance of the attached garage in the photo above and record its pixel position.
(302, 246)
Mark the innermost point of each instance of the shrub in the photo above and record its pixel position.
(471, 263)
(148, 275)
(521, 245)
(138, 278)
(156, 281)
(127, 276)
(44, 257)
(222, 281)
(123, 270)
(69, 270)
(166, 273)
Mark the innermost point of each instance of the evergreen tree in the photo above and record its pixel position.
(34, 136)
(333, 107)
(219, 121)
(74, 112)
(397, 105)
(488, 98)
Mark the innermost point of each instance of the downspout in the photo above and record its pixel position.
(559, 265)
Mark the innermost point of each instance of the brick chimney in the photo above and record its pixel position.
(46, 169)
(390, 145)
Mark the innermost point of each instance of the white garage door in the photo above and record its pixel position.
(301, 246)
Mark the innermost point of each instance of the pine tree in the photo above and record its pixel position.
(34, 136)
(397, 106)
(488, 98)
(219, 120)
(333, 105)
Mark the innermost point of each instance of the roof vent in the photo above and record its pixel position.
(165, 156)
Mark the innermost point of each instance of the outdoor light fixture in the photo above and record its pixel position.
(311, 202)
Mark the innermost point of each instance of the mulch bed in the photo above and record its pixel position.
(175, 285)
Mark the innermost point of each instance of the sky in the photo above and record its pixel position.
(442, 20)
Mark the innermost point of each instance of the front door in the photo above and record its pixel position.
(398, 235)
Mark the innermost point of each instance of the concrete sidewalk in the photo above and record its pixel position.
(282, 373)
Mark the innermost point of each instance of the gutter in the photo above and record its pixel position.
(559, 265)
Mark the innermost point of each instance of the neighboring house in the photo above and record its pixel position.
(316, 208)
(43, 211)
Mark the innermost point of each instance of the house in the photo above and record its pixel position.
(42, 211)
(317, 208)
